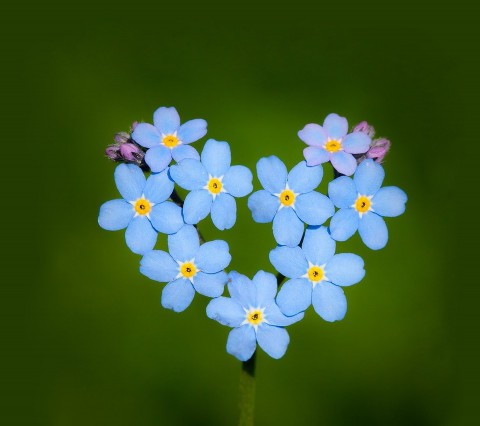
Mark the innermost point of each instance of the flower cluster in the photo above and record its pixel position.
(256, 310)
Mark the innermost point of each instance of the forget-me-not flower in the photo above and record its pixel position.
(362, 203)
(187, 267)
(331, 142)
(213, 184)
(143, 210)
(167, 138)
(289, 200)
(316, 275)
(252, 312)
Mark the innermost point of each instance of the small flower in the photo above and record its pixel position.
(362, 203)
(378, 150)
(290, 201)
(213, 184)
(254, 316)
(331, 143)
(143, 210)
(167, 138)
(188, 267)
(316, 274)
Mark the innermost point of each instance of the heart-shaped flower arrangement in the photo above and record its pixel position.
(256, 310)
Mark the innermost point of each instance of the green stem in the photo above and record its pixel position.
(247, 392)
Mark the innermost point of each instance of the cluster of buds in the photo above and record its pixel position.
(378, 148)
(126, 150)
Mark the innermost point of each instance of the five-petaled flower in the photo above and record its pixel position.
(362, 203)
(289, 200)
(213, 184)
(188, 267)
(167, 138)
(331, 142)
(316, 275)
(144, 210)
(252, 312)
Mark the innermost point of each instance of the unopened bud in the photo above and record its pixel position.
(131, 152)
(379, 149)
(366, 128)
(121, 137)
(113, 152)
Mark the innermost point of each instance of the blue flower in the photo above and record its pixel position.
(316, 273)
(362, 203)
(331, 143)
(289, 200)
(167, 138)
(143, 210)
(213, 184)
(188, 267)
(254, 316)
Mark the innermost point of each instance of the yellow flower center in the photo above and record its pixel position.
(188, 269)
(170, 141)
(214, 186)
(287, 197)
(255, 316)
(363, 204)
(315, 273)
(143, 206)
(333, 145)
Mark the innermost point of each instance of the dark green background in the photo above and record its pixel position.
(84, 338)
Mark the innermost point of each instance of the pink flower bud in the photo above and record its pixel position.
(121, 137)
(131, 152)
(364, 127)
(113, 152)
(379, 149)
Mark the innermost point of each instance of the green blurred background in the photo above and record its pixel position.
(84, 338)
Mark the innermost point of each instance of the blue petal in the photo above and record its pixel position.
(189, 174)
(343, 225)
(210, 285)
(197, 205)
(273, 340)
(335, 126)
(343, 192)
(238, 181)
(295, 296)
(373, 231)
(140, 235)
(287, 227)
(146, 135)
(130, 181)
(181, 152)
(178, 295)
(329, 301)
(369, 177)
(272, 174)
(303, 178)
(226, 311)
(159, 266)
(343, 162)
(115, 215)
(159, 187)
(166, 217)
(274, 316)
(158, 158)
(313, 134)
(389, 201)
(289, 261)
(184, 244)
(224, 211)
(242, 289)
(318, 246)
(266, 288)
(242, 342)
(216, 157)
(315, 155)
(213, 256)
(263, 206)
(166, 120)
(314, 208)
(345, 269)
(192, 130)
(356, 143)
